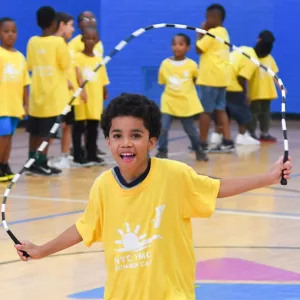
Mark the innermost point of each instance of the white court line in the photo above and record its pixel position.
(218, 211)
(258, 214)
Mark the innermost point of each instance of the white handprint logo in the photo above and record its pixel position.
(132, 241)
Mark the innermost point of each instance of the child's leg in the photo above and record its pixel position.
(6, 155)
(265, 121)
(78, 131)
(190, 129)
(91, 140)
(255, 108)
(264, 117)
(166, 122)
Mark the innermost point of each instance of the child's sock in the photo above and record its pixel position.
(31, 154)
(41, 159)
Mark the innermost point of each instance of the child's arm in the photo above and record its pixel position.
(67, 239)
(234, 186)
(200, 36)
(83, 94)
(25, 99)
(105, 93)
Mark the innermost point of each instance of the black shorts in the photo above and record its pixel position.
(40, 126)
(237, 108)
(69, 117)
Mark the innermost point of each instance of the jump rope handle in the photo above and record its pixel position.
(16, 241)
(283, 180)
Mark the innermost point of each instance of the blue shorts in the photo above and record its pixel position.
(237, 108)
(8, 125)
(213, 98)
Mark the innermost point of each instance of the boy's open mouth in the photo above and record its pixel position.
(127, 156)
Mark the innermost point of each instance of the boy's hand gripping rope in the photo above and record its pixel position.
(106, 59)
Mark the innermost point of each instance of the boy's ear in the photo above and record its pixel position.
(152, 143)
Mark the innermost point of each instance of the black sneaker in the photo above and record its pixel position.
(204, 147)
(3, 176)
(201, 156)
(223, 148)
(161, 154)
(268, 138)
(82, 162)
(97, 161)
(42, 169)
(8, 172)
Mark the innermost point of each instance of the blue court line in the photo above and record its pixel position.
(44, 217)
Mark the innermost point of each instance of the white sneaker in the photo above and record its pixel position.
(61, 163)
(216, 138)
(246, 139)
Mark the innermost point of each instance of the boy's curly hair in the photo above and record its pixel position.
(133, 105)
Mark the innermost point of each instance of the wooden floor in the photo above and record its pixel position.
(249, 249)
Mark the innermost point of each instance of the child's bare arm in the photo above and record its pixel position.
(25, 99)
(67, 239)
(80, 82)
(105, 93)
(234, 186)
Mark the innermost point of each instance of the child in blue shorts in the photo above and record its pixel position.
(14, 82)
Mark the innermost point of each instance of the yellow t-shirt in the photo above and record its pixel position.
(49, 60)
(214, 61)
(180, 97)
(241, 66)
(262, 85)
(13, 78)
(147, 230)
(72, 77)
(76, 45)
(91, 110)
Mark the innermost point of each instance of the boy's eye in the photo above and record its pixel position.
(136, 135)
(116, 136)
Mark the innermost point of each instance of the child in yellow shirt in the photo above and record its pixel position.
(87, 115)
(213, 76)
(14, 82)
(179, 99)
(142, 209)
(262, 88)
(65, 29)
(49, 60)
(85, 19)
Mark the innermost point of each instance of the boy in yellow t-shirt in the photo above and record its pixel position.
(262, 88)
(213, 76)
(14, 82)
(49, 61)
(87, 115)
(179, 99)
(142, 209)
(85, 19)
(65, 29)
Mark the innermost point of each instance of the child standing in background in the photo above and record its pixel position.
(87, 115)
(180, 99)
(262, 88)
(49, 60)
(14, 82)
(65, 29)
(85, 19)
(213, 76)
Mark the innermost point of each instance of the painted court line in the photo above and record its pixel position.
(53, 199)
(270, 215)
(44, 217)
(259, 214)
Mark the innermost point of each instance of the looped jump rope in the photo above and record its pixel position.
(106, 59)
